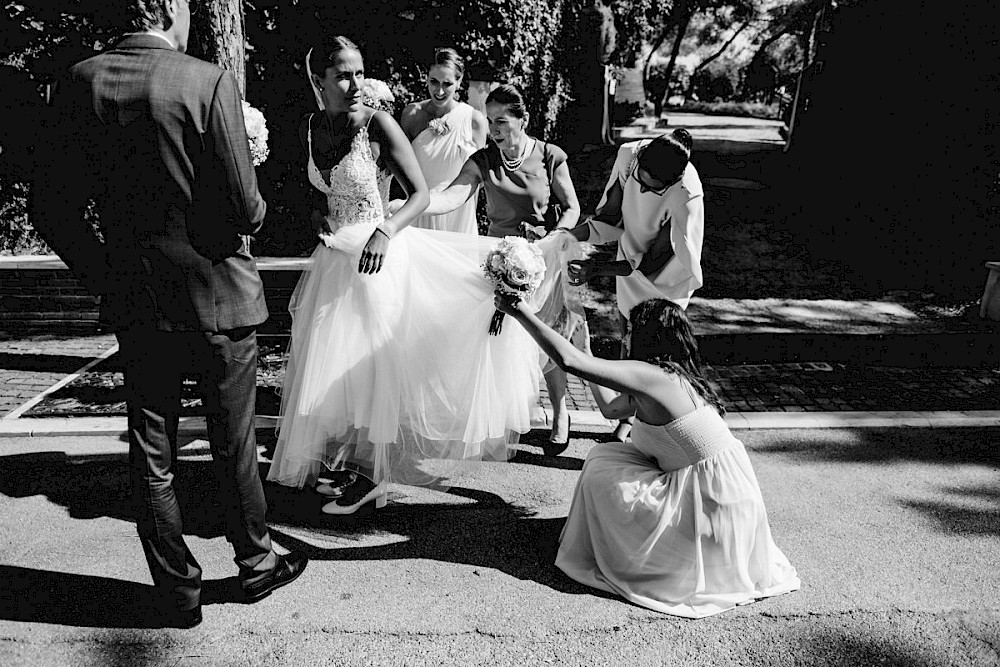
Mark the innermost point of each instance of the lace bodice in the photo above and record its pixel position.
(357, 192)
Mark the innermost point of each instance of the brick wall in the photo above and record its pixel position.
(40, 293)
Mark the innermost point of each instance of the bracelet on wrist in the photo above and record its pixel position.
(382, 228)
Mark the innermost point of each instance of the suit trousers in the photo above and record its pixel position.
(155, 364)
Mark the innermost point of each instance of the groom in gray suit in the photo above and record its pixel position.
(158, 138)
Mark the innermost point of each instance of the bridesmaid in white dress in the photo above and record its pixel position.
(673, 520)
(444, 133)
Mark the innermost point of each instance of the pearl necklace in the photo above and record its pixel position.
(513, 163)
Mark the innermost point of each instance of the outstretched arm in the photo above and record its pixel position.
(562, 188)
(623, 376)
(458, 191)
(606, 223)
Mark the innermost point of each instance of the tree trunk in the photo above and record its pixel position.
(680, 7)
(218, 35)
(682, 26)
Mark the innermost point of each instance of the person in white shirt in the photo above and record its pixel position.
(653, 205)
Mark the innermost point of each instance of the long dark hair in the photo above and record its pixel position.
(662, 335)
(667, 156)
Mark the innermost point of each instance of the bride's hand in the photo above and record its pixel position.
(319, 223)
(506, 303)
(374, 253)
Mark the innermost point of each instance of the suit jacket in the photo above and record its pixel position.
(158, 138)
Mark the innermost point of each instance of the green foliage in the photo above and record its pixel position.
(748, 109)
(637, 22)
(16, 235)
(718, 82)
(526, 42)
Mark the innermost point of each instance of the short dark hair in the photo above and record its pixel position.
(667, 156)
(448, 57)
(321, 58)
(509, 95)
(147, 14)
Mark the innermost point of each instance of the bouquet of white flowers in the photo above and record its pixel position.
(514, 267)
(376, 94)
(256, 133)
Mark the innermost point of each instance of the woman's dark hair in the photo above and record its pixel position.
(662, 335)
(449, 58)
(509, 95)
(325, 56)
(667, 156)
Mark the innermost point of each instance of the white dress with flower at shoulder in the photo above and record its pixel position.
(441, 149)
(674, 521)
(389, 371)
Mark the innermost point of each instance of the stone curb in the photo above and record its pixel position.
(583, 420)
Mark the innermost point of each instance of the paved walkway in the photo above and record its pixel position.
(69, 384)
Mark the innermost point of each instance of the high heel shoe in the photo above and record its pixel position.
(557, 447)
(335, 507)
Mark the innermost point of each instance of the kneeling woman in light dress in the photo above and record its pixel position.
(673, 520)
(391, 370)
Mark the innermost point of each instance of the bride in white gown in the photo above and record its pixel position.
(390, 363)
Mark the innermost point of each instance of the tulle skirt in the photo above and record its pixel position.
(691, 542)
(390, 374)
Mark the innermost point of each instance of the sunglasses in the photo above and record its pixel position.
(646, 187)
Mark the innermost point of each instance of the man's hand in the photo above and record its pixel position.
(374, 253)
(532, 232)
(580, 271)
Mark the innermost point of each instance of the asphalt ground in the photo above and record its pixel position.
(894, 532)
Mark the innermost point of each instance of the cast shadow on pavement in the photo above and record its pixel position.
(78, 600)
(971, 510)
(99, 487)
(467, 527)
(486, 532)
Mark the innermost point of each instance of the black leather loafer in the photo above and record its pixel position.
(287, 570)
